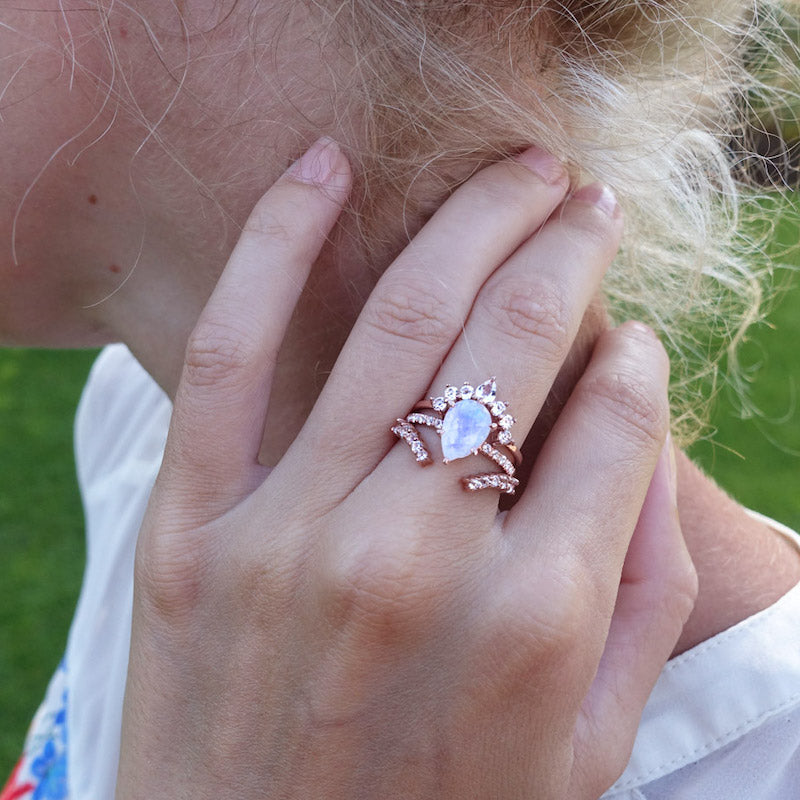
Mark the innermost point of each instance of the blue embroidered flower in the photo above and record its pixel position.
(51, 769)
(41, 764)
(54, 785)
(42, 770)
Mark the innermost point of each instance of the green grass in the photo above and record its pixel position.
(41, 538)
(41, 529)
(753, 449)
(756, 456)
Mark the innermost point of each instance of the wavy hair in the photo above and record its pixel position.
(656, 98)
(652, 97)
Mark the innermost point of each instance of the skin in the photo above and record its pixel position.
(83, 272)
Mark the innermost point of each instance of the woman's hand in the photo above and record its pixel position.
(354, 626)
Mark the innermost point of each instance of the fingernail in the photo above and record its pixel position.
(600, 196)
(545, 165)
(640, 327)
(315, 166)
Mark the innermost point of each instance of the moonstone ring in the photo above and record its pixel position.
(469, 421)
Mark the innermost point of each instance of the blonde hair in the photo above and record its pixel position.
(653, 97)
(650, 97)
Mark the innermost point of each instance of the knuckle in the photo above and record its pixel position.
(380, 593)
(264, 223)
(218, 354)
(679, 593)
(171, 572)
(533, 311)
(632, 405)
(407, 309)
(537, 629)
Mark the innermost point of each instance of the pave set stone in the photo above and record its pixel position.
(409, 435)
(493, 480)
(473, 421)
(502, 461)
(418, 418)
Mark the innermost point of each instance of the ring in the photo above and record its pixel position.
(469, 421)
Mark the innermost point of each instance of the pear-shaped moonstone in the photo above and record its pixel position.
(465, 428)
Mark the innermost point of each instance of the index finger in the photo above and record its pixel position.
(222, 398)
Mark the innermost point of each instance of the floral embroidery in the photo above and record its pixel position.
(51, 770)
(41, 773)
(14, 790)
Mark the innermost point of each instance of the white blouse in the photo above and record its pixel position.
(723, 721)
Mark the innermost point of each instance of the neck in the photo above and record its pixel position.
(743, 565)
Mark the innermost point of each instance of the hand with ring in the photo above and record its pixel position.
(351, 625)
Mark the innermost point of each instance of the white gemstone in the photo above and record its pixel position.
(506, 422)
(466, 392)
(505, 437)
(439, 403)
(465, 428)
(498, 408)
(486, 392)
(450, 394)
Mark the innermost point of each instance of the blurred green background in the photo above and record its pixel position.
(41, 538)
(41, 529)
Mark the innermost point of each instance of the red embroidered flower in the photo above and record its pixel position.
(13, 790)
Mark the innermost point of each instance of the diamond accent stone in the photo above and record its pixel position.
(466, 392)
(439, 404)
(465, 428)
(505, 483)
(502, 461)
(505, 437)
(487, 391)
(499, 408)
(424, 419)
(450, 394)
(408, 434)
(506, 422)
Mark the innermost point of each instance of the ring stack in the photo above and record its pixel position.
(470, 421)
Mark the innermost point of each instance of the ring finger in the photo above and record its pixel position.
(525, 319)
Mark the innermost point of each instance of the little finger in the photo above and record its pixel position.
(655, 597)
(590, 479)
